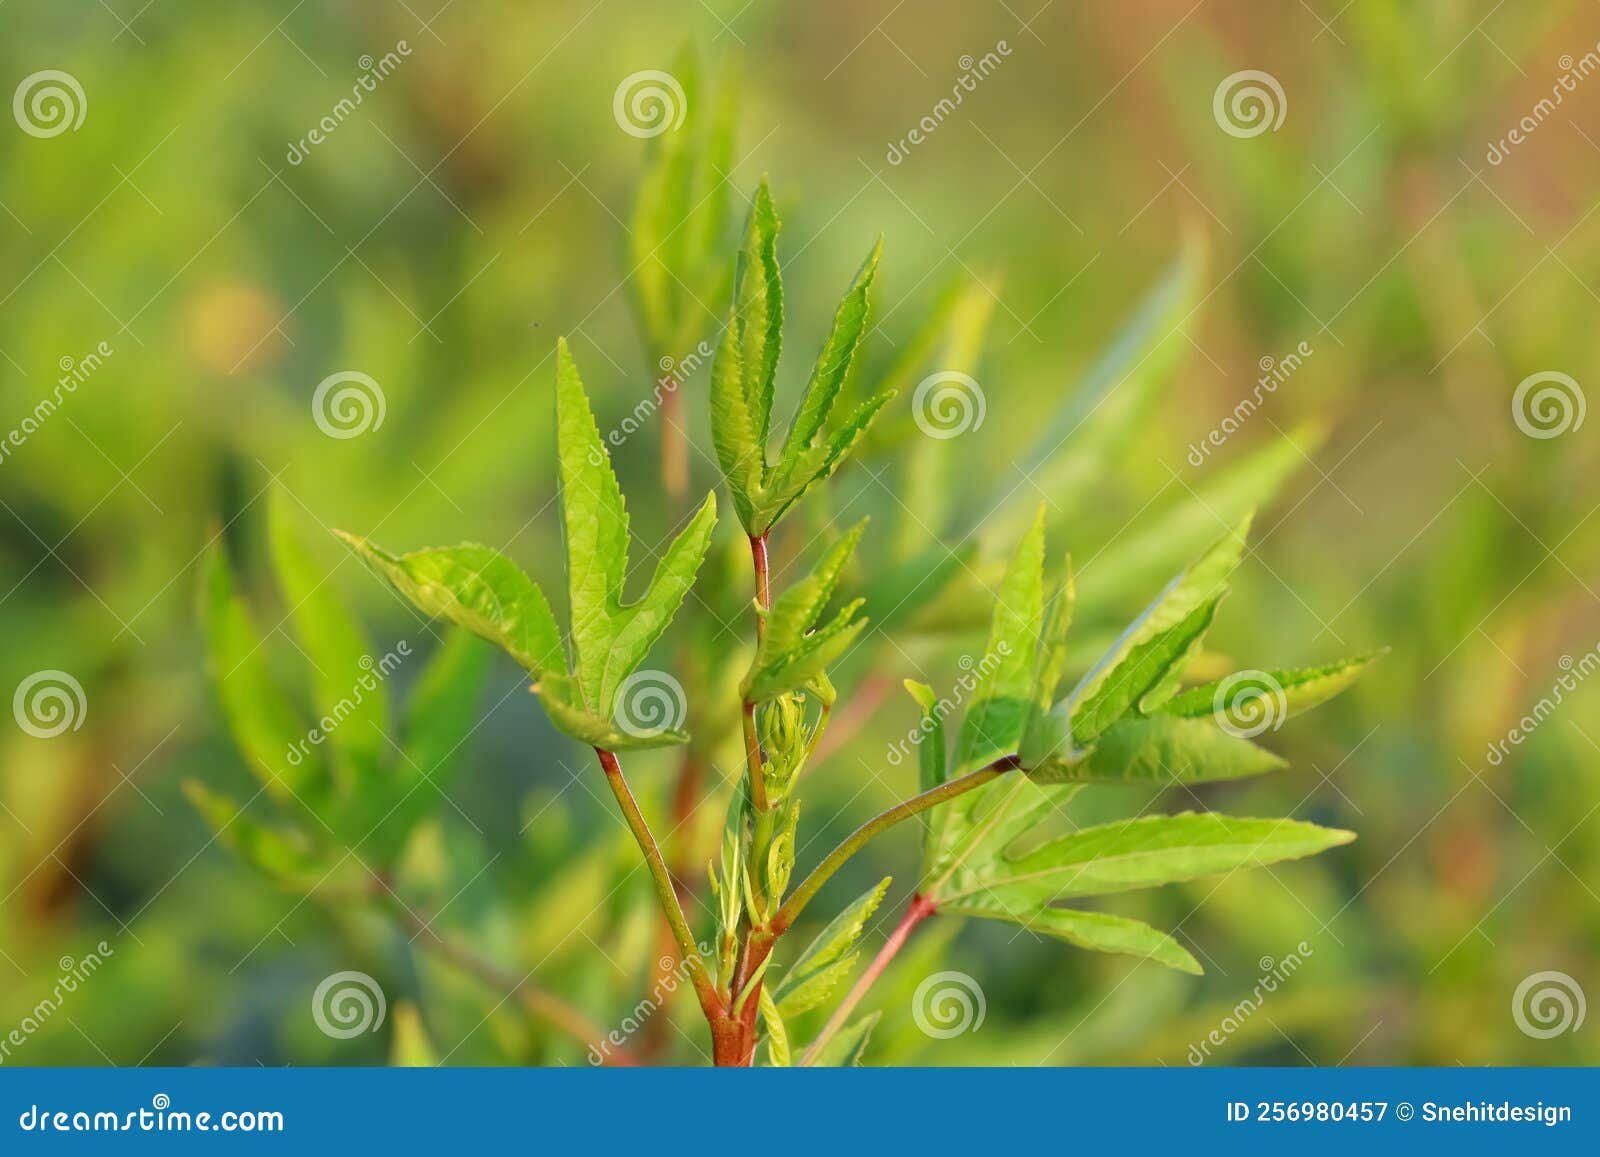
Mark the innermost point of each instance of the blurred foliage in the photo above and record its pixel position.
(482, 198)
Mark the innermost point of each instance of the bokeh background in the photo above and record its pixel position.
(477, 204)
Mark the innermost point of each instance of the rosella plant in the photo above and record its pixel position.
(992, 787)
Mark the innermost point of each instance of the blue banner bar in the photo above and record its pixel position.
(666, 1112)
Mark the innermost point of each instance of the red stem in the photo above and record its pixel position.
(917, 911)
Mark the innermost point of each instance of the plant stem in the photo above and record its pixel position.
(917, 911)
(758, 555)
(663, 882)
(674, 451)
(536, 1000)
(880, 823)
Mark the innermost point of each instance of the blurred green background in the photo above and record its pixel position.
(477, 204)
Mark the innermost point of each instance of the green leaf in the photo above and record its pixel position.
(596, 529)
(833, 366)
(611, 637)
(1139, 853)
(336, 649)
(1140, 674)
(681, 215)
(266, 728)
(1120, 673)
(1161, 750)
(1157, 547)
(740, 453)
(758, 310)
(409, 1046)
(283, 856)
(932, 762)
(743, 380)
(816, 465)
(848, 1046)
(829, 958)
(440, 716)
(1071, 459)
(1294, 691)
(793, 651)
(1005, 681)
(777, 1032)
(1102, 932)
(479, 589)
(560, 698)
(1052, 655)
(641, 625)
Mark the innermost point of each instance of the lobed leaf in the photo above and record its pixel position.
(1302, 688)
(829, 957)
(264, 725)
(848, 1046)
(335, 648)
(1004, 691)
(477, 588)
